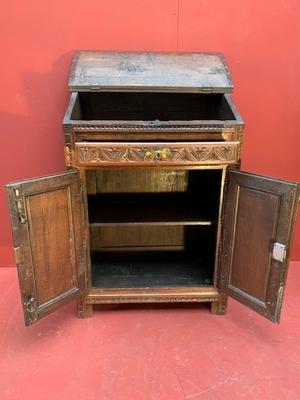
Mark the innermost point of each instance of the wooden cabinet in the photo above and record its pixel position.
(153, 207)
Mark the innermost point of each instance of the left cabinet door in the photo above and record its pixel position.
(47, 218)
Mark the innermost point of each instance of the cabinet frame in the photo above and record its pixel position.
(163, 294)
(47, 282)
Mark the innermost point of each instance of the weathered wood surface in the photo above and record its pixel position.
(259, 211)
(117, 71)
(47, 223)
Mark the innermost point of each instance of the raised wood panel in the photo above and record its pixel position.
(51, 232)
(259, 211)
(254, 232)
(47, 221)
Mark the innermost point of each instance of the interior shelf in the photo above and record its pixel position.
(147, 208)
(159, 269)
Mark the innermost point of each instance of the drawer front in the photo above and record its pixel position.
(146, 154)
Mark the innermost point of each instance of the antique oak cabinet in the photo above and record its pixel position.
(153, 206)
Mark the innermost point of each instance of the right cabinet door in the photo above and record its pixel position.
(259, 217)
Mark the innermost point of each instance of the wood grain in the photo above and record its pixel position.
(117, 71)
(258, 212)
(47, 222)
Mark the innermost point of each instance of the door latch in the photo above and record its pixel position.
(279, 252)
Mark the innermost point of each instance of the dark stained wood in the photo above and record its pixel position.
(155, 269)
(152, 107)
(47, 223)
(259, 212)
(149, 209)
(120, 71)
(226, 125)
(162, 127)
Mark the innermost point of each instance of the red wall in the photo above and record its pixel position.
(260, 40)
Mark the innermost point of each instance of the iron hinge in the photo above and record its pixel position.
(20, 205)
(18, 255)
(206, 90)
(30, 308)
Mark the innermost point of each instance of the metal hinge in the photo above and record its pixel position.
(95, 88)
(18, 255)
(279, 252)
(30, 308)
(206, 90)
(20, 205)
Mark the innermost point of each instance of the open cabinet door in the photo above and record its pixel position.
(47, 223)
(258, 224)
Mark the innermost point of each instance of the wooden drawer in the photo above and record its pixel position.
(146, 154)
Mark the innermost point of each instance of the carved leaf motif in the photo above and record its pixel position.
(178, 154)
(194, 154)
(191, 154)
(224, 153)
(205, 153)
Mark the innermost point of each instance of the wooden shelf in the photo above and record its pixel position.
(146, 209)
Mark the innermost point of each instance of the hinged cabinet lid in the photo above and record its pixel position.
(161, 72)
(259, 221)
(47, 221)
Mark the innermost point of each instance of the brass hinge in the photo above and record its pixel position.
(20, 205)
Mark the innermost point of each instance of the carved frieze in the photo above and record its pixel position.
(160, 126)
(190, 153)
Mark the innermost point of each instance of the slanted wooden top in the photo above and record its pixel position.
(118, 71)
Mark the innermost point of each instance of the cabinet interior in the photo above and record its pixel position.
(151, 106)
(153, 227)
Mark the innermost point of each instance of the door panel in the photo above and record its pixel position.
(47, 222)
(259, 213)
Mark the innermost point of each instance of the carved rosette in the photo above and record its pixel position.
(208, 153)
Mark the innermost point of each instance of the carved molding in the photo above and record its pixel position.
(153, 126)
(193, 154)
(150, 299)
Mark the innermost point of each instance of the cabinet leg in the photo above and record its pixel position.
(84, 310)
(219, 307)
